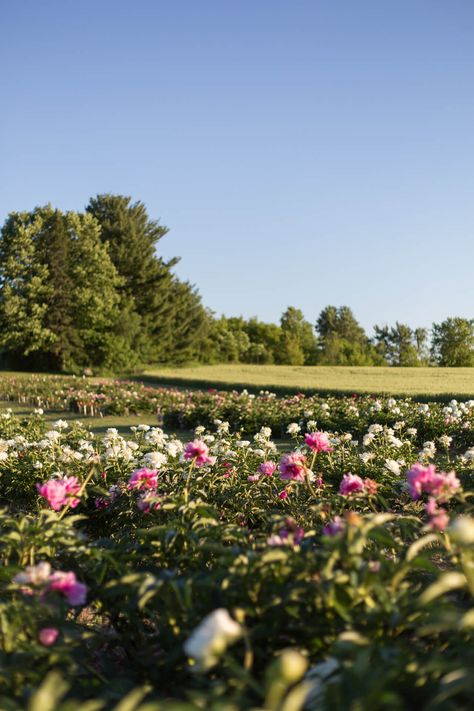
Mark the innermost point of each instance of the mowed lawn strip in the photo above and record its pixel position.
(325, 379)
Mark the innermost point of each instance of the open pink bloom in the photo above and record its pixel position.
(143, 479)
(318, 441)
(267, 468)
(425, 479)
(351, 484)
(59, 492)
(68, 585)
(48, 636)
(199, 451)
(439, 518)
(332, 528)
(293, 466)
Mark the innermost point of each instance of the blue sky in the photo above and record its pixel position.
(302, 152)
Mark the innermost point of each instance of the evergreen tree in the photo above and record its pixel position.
(148, 283)
(58, 291)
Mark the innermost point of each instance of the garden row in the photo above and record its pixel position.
(179, 408)
(141, 573)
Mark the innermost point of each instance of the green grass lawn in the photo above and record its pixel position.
(285, 378)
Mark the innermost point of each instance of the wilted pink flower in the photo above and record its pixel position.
(101, 503)
(425, 479)
(67, 585)
(253, 477)
(351, 484)
(199, 451)
(318, 441)
(59, 492)
(48, 636)
(293, 466)
(267, 468)
(143, 479)
(148, 501)
(332, 528)
(370, 486)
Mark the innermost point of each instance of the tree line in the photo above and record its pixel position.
(89, 290)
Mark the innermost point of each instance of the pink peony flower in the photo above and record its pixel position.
(293, 466)
(267, 468)
(351, 484)
(59, 492)
(199, 452)
(143, 479)
(425, 479)
(318, 441)
(67, 585)
(48, 636)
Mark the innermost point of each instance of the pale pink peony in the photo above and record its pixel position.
(199, 452)
(143, 479)
(439, 518)
(293, 466)
(318, 441)
(60, 492)
(351, 484)
(267, 468)
(48, 636)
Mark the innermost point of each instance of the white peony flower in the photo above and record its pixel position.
(211, 638)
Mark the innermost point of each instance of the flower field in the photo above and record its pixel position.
(139, 572)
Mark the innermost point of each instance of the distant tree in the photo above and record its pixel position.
(342, 340)
(400, 345)
(297, 343)
(264, 339)
(452, 342)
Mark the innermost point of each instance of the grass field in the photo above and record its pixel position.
(396, 381)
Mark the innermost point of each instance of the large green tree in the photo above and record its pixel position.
(58, 291)
(148, 282)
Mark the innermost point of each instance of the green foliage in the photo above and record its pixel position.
(453, 342)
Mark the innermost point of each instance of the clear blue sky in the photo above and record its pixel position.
(302, 152)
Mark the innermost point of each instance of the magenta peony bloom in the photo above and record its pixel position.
(293, 466)
(67, 585)
(318, 441)
(143, 479)
(59, 492)
(199, 452)
(267, 468)
(48, 636)
(351, 484)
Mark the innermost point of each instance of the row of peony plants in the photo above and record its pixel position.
(139, 572)
(185, 409)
